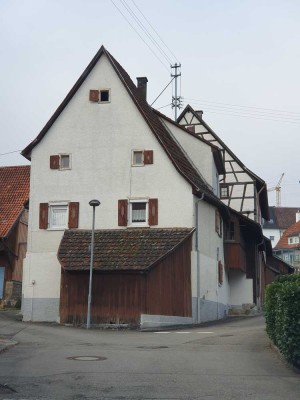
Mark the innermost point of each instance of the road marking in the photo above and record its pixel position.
(162, 332)
(183, 332)
(205, 332)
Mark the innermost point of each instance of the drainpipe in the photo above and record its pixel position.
(198, 256)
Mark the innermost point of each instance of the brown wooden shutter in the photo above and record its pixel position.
(153, 212)
(122, 212)
(94, 96)
(148, 157)
(73, 215)
(54, 162)
(43, 223)
(191, 128)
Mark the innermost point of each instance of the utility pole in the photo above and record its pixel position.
(176, 100)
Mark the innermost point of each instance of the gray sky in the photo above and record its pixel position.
(240, 64)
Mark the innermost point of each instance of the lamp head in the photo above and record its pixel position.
(94, 203)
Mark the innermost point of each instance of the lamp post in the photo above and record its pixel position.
(94, 204)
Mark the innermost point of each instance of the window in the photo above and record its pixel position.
(272, 238)
(104, 96)
(291, 240)
(296, 257)
(224, 191)
(231, 231)
(65, 161)
(60, 161)
(58, 216)
(138, 212)
(137, 157)
(99, 96)
(190, 128)
(141, 157)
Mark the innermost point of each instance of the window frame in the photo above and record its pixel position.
(109, 94)
(222, 187)
(60, 161)
(134, 201)
(133, 164)
(55, 205)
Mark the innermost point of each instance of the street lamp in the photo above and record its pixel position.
(94, 204)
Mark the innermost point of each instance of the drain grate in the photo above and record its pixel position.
(5, 389)
(87, 358)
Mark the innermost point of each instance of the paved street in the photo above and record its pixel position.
(230, 360)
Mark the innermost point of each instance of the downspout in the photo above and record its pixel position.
(198, 256)
(260, 276)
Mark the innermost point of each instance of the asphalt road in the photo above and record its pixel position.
(231, 360)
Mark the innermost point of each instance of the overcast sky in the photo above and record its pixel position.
(240, 65)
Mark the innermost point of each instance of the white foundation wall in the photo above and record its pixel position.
(100, 139)
(210, 299)
(241, 288)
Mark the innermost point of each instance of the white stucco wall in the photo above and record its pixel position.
(241, 288)
(100, 139)
(272, 232)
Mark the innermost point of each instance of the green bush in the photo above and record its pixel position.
(282, 309)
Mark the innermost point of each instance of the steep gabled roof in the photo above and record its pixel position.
(281, 217)
(14, 192)
(291, 231)
(118, 249)
(171, 147)
(261, 185)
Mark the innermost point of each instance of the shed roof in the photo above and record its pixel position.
(14, 192)
(118, 249)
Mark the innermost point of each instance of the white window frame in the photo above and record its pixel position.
(132, 158)
(138, 200)
(56, 205)
(60, 163)
(109, 94)
(291, 240)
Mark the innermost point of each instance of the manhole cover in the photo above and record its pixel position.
(152, 347)
(87, 358)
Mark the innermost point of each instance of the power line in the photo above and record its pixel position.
(162, 91)
(243, 106)
(164, 65)
(155, 31)
(167, 105)
(10, 152)
(145, 30)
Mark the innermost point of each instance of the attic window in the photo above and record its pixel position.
(60, 161)
(224, 191)
(104, 96)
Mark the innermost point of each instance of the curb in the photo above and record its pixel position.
(6, 344)
(282, 358)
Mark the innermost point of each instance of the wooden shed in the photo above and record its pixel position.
(136, 272)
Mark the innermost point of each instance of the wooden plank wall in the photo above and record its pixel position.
(169, 284)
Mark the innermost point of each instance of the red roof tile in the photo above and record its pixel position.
(14, 191)
(119, 249)
(291, 231)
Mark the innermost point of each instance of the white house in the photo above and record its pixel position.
(159, 247)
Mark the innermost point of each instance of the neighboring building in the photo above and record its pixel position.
(239, 188)
(14, 195)
(159, 240)
(281, 218)
(288, 246)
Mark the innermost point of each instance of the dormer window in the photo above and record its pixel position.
(293, 240)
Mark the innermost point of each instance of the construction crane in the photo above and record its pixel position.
(277, 188)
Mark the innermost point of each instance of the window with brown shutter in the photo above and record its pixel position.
(54, 162)
(43, 220)
(153, 211)
(73, 215)
(94, 95)
(122, 212)
(148, 157)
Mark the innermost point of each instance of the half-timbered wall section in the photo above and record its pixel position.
(239, 187)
